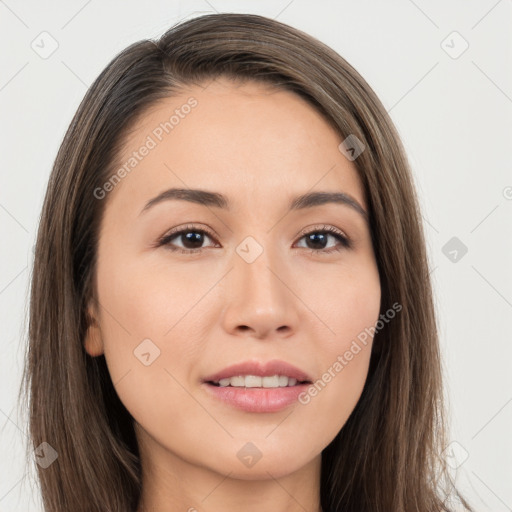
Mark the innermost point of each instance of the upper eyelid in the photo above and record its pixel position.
(324, 227)
(184, 229)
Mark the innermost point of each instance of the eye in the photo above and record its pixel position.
(192, 239)
(320, 236)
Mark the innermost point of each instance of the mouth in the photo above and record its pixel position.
(258, 387)
(256, 381)
(259, 374)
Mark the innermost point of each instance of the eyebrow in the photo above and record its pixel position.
(216, 200)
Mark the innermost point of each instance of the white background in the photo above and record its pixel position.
(453, 114)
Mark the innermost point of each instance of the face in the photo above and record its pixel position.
(187, 288)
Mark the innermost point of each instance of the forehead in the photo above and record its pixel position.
(246, 140)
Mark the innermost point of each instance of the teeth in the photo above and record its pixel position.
(254, 381)
(236, 381)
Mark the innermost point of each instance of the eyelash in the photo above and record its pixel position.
(345, 242)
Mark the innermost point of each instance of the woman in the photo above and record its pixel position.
(283, 357)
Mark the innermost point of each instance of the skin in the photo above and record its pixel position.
(204, 311)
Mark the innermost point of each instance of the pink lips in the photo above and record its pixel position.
(258, 399)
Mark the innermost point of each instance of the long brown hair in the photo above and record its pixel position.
(389, 454)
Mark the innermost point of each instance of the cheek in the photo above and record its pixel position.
(349, 308)
(345, 298)
(149, 341)
(344, 364)
(145, 322)
(145, 301)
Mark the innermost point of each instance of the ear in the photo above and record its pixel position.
(93, 342)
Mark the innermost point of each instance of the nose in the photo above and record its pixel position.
(259, 299)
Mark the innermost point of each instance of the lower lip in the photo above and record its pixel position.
(257, 399)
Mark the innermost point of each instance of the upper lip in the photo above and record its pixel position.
(260, 368)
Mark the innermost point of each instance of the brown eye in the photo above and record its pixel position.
(190, 237)
(317, 240)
